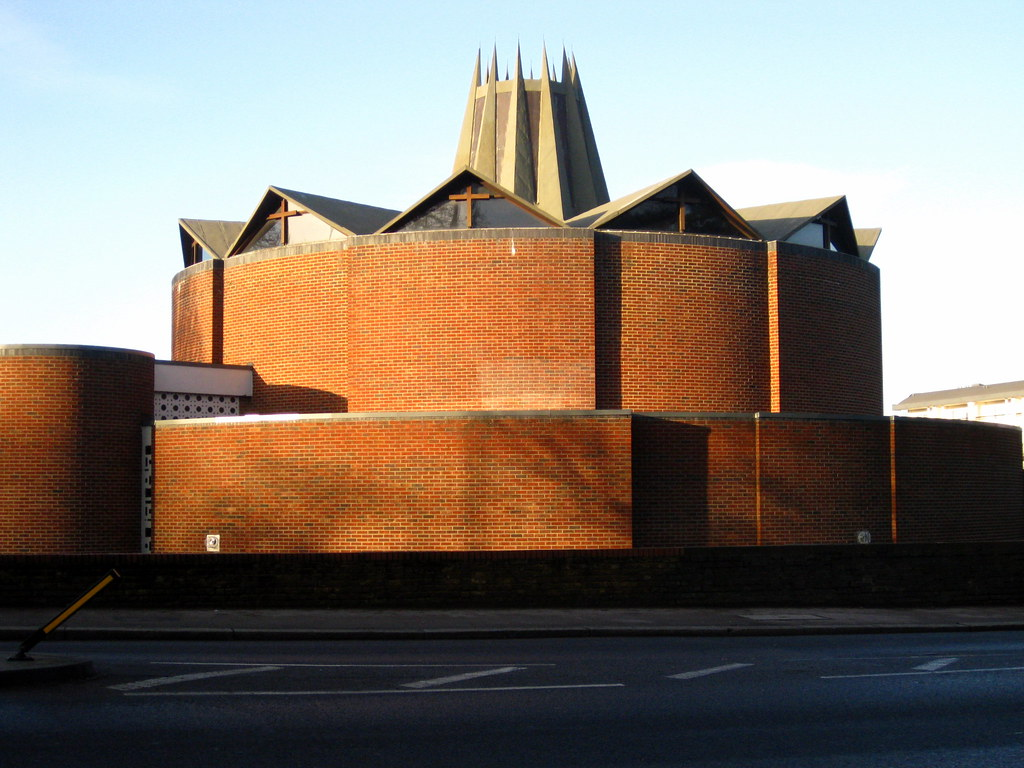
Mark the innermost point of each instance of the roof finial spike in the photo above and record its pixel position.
(544, 63)
(493, 74)
(565, 66)
(519, 63)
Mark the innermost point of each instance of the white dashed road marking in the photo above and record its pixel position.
(156, 681)
(936, 665)
(936, 672)
(708, 671)
(459, 678)
(381, 692)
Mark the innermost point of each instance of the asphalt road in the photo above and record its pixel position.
(864, 700)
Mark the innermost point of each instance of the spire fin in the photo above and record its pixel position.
(464, 152)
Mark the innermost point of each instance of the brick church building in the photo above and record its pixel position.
(515, 361)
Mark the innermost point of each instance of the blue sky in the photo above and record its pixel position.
(120, 117)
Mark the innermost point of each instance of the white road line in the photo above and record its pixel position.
(937, 672)
(155, 681)
(709, 671)
(381, 692)
(460, 678)
(936, 665)
(336, 666)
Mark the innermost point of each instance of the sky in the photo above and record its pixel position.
(118, 118)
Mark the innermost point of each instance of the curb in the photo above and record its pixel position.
(200, 634)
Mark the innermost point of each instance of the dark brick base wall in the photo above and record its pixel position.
(876, 575)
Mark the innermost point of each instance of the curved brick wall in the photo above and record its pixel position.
(394, 482)
(540, 318)
(71, 447)
(197, 313)
(717, 480)
(826, 332)
(683, 323)
(467, 323)
(580, 480)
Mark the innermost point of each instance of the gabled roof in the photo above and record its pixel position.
(606, 216)
(974, 394)
(867, 239)
(521, 213)
(215, 237)
(346, 217)
(780, 221)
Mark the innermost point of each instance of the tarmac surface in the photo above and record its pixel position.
(16, 624)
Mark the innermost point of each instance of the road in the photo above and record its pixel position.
(864, 700)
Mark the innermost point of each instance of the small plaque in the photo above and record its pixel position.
(213, 542)
(863, 537)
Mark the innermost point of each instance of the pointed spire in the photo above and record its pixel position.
(492, 72)
(533, 136)
(517, 171)
(485, 151)
(464, 153)
(552, 191)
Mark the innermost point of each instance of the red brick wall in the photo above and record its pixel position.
(723, 481)
(692, 324)
(362, 483)
(287, 315)
(957, 481)
(441, 322)
(822, 480)
(692, 481)
(483, 320)
(70, 448)
(197, 330)
(826, 332)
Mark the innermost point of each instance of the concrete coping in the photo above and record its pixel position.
(553, 414)
(394, 415)
(72, 350)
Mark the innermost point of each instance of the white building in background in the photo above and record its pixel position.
(998, 403)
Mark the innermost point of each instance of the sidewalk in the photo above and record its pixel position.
(341, 624)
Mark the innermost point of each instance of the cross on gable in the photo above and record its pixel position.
(681, 199)
(469, 196)
(282, 214)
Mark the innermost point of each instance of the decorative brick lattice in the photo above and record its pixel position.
(178, 405)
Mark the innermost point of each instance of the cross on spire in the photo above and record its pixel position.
(468, 197)
(282, 214)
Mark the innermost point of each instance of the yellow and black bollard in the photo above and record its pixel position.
(60, 618)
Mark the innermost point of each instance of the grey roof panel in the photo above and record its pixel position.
(777, 221)
(215, 236)
(352, 218)
(608, 212)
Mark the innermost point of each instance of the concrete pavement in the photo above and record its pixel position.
(16, 624)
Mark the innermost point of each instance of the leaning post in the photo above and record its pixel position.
(41, 633)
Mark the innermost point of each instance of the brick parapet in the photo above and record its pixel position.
(350, 483)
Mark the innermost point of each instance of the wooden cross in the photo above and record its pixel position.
(681, 199)
(827, 223)
(469, 196)
(283, 214)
